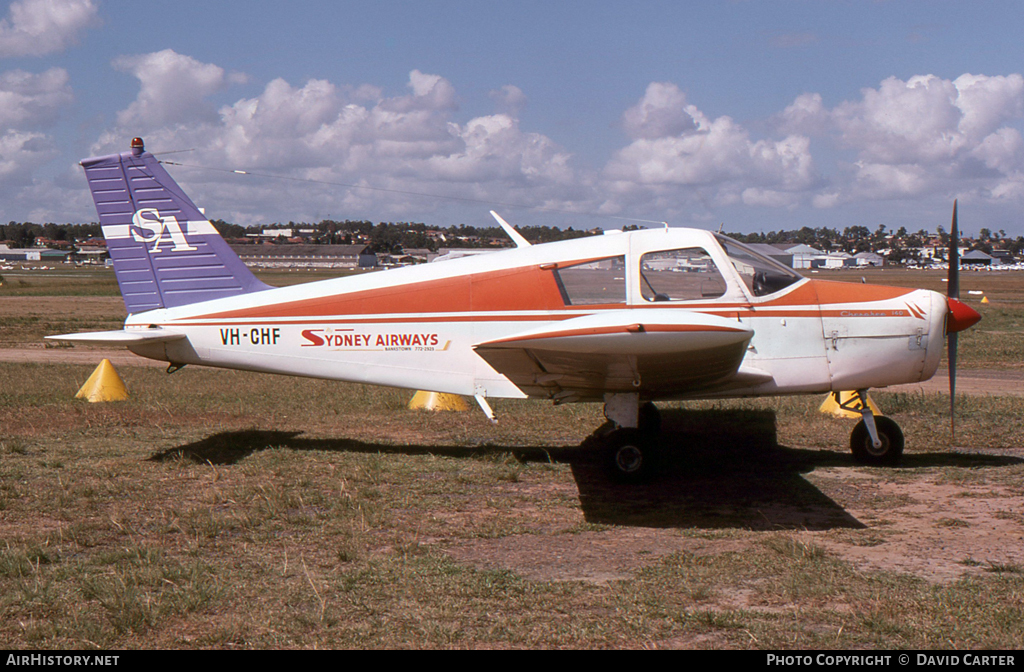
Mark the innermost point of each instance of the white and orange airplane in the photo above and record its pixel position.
(625, 319)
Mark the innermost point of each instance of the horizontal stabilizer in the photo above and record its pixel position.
(123, 337)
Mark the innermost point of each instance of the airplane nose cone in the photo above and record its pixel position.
(961, 316)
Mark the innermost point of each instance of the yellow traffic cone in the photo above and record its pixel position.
(830, 405)
(984, 299)
(103, 385)
(438, 401)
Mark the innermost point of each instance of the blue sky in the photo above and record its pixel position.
(758, 115)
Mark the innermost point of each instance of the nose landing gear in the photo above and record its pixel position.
(875, 440)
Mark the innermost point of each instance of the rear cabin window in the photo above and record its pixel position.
(687, 274)
(593, 282)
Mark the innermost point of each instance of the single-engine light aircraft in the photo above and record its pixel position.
(626, 319)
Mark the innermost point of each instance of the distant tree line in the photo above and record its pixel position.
(901, 243)
(392, 237)
(385, 237)
(24, 234)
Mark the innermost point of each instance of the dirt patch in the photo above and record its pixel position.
(594, 557)
(974, 382)
(917, 522)
(934, 530)
(76, 355)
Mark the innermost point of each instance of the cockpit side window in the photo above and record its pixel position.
(602, 281)
(687, 274)
(761, 275)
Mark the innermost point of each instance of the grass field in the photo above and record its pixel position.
(231, 510)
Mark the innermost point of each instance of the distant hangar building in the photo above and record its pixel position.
(32, 254)
(306, 256)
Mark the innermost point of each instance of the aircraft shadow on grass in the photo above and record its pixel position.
(720, 469)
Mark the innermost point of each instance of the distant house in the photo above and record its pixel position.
(407, 257)
(53, 244)
(869, 259)
(833, 260)
(415, 255)
(1002, 257)
(976, 258)
(92, 251)
(804, 256)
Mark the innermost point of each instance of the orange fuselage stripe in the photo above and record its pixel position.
(526, 290)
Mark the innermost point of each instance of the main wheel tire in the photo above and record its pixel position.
(889, 433)
(630, 455)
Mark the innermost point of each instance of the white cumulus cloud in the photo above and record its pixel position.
(680, 155)
(30, 104)
(806, 116)
(28, 99)
(926, 135)
(661, 112)
(37, 27)
(903, 122)
(21, 152)
(325, 135)
(173, 88)
(509, 98)
(904, 139)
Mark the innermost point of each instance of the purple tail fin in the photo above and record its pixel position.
(165, 252)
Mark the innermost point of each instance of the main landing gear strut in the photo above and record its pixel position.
(630, 443)
(876, 440)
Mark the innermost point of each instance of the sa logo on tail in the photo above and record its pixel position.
(149, 219)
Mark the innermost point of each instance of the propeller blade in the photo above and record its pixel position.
(960, 316)
(953, 287)
(951, 342)
(953, 292)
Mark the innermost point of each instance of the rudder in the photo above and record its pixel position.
(165, 252)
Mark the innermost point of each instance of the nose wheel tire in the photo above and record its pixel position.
(890, 436)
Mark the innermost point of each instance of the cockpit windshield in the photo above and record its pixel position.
(761, 275)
